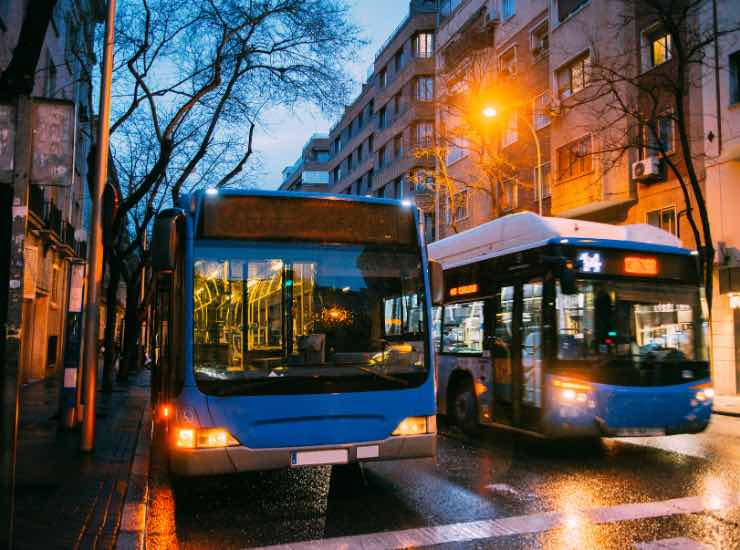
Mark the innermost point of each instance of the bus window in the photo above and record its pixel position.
(462, 331)
(532, 343)
(631, 320)
(502, 341)
(436, 327)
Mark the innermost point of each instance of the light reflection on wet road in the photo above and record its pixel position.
(497, 476)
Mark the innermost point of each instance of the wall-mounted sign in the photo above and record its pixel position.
(640, 265)
(591, 262)
(53, 142)
(464, 290)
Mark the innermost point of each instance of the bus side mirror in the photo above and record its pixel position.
(436, 283)
(568, 281)
(166, 238)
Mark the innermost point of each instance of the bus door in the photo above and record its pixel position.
(516, 351)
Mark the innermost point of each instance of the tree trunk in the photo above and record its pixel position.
(109, 356)
(130, 354)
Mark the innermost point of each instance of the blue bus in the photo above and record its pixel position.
(291, 330)
(568, 328)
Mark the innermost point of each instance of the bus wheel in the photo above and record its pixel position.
(464, 407)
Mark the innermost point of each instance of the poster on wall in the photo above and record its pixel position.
(53, 142)
(7, 137)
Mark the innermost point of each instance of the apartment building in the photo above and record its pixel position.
(51, 224)
(498, 50)
(721, 115)
(372, 145)
(309, 173)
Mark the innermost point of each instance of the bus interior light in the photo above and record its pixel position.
(406, 203)
(416, 425)
(211, 191)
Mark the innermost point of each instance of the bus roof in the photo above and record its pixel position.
(199, 195)
(526, 230)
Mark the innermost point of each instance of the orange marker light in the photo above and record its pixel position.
(185, 438)
(166, 411)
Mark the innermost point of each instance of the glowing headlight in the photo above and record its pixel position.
(705, 392)
(417, 425)
(574, 392)
(205, 438)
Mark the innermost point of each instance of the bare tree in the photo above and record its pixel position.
(464, 98)
(644, 73)
(190, 82)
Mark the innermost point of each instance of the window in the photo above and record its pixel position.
(457, 149)
(424, 44)
(574, 159)
(424, 134)
(566, 8)
(509, 195)
(383, 118)
(278, 309)
(508, 8)
(539, 40)
(659, 137)
(382, 160)
(398, 146)
(507, 62)
(545, 170)
(664, 218)
(425, 88)
(735, 78)
(659, 45)
(575, 76)
(462, 328)
(398, 60)
(383, 78)
(541, 110)
(511, 135)
(397, 104)
(460, 205)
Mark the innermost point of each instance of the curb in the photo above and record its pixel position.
(726, 413)
(132, 530)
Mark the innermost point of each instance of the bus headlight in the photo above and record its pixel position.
(705, 392)
(417, 425)
(203, 438)
(573, 392)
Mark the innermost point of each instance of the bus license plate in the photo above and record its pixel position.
(315, 458)
(644, 432)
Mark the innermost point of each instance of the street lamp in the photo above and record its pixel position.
(490, 112)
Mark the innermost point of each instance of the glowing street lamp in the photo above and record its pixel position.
(489, 112)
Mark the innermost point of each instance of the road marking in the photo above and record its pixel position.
(517, 525)
(680, 543)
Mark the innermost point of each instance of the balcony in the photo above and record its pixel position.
(50, 224)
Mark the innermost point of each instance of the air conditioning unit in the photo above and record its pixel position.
(647, 169)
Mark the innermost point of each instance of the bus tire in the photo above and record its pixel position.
(464, 406)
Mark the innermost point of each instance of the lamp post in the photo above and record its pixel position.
(490, 112)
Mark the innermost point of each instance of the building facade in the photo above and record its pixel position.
(50, 212)
(721, 116)
(372, 146)
(309, 173)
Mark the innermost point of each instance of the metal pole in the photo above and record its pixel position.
(95, 254)
(539, 161)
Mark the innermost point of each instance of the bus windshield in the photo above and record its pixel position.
(274, 318)
(647, 323)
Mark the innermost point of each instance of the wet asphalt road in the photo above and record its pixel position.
(495, 476)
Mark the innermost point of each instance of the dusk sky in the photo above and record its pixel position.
(280, 141)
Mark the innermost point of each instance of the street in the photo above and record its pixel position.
(664, 492)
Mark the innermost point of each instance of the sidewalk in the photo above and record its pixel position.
(727, 404)
(65, 498)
